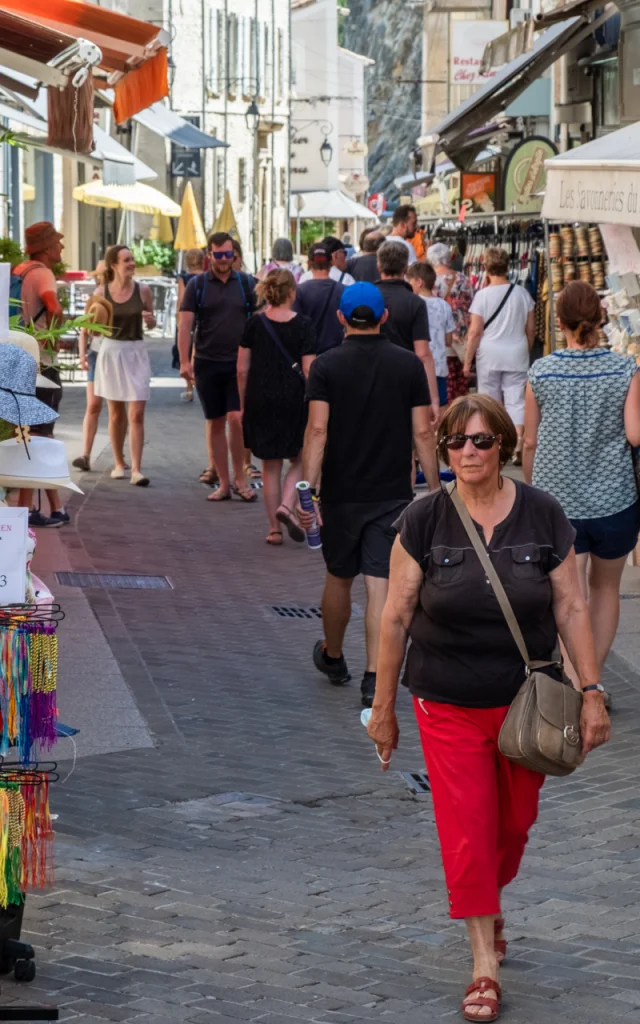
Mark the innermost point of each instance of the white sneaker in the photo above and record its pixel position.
(187, 396)
(117, 473)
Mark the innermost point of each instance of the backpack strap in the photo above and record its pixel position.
(248, 305)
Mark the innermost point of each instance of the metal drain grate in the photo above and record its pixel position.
(112, 581)
(305, 612)
(418, 782)
(296, 611)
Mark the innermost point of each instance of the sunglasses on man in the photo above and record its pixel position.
(228, 254)
(483, 442)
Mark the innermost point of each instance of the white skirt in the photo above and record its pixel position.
(123, 371)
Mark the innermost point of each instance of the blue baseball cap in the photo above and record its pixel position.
(362, 302)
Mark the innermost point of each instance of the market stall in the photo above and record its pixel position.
(593, 191)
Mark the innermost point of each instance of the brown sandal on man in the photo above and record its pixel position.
(274, 537)
(500, 945)
(288, 519)
(493, 1005)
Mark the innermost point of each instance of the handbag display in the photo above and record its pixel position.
(542, 729)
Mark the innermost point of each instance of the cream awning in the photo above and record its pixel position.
(138, 198)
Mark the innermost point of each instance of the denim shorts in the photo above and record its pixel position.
(92, 359)
(610, 536)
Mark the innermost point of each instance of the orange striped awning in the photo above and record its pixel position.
(129, 46)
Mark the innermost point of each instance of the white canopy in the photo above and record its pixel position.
(599, 181)
(329, 205)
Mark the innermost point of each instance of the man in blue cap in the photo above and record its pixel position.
(368, 405)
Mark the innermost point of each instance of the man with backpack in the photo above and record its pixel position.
(34, 297)
(214, 311)
(319, 298)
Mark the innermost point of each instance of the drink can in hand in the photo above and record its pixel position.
(307, 504)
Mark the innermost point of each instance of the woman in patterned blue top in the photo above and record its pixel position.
(582, 416)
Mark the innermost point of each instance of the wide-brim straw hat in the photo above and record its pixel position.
(18, 402)
(30, 345)
(100, 309)
(41, 463)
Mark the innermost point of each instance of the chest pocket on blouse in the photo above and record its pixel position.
(527, 564)
(446, 565)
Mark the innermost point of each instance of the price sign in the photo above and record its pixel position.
(13, 554)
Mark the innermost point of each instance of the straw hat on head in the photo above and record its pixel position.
(40, 236)
(29, 344)
(18, 402)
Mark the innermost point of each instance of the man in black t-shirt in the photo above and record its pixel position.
(408, 323)
(368, 405)
(218, 303)
(364, 267)
(319, 298)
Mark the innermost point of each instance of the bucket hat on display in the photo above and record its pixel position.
(30, 345)
(18, 402)
(42, 463)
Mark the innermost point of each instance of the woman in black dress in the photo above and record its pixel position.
(274, 358)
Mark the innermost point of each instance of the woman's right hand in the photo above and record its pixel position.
(384, 731)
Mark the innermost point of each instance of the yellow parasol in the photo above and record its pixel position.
(161, 230)
(138, 198)
(226, 219)
(190, 234)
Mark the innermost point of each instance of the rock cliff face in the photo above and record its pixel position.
(390, 32)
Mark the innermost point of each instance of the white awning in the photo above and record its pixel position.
(597, 182)
(329, 205)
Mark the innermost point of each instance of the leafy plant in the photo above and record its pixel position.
(49, 337)
(10, 252)
(59, 269)
(148, 252)
(312, 231)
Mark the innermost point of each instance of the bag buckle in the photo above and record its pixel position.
(571, 735)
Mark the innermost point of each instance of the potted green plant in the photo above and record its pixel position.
(153, 258)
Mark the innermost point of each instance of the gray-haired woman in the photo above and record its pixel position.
(456, 289)
(282, 259)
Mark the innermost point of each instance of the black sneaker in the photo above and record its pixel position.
(60, 517)
(368, 688)
(38, 519)
(337, 670)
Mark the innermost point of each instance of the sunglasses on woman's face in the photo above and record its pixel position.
(226, 255)
(483, 442)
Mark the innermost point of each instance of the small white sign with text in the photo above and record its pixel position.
(14, 524)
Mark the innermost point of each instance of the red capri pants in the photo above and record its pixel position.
(484, 804)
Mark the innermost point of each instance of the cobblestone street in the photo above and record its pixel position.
(253, 863)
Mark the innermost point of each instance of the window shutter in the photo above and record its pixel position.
(214, 50)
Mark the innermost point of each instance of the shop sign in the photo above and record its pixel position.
(478, 193)
(13, 554)
(468, 42)
(592, 194)
(525, 175)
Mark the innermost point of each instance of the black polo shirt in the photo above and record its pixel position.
(462, 651)
(225, 309)
(371, 387)
(319, 300)
(408, 320)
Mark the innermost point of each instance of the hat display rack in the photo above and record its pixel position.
(28, 673)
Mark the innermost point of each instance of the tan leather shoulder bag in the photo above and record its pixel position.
(542, 728)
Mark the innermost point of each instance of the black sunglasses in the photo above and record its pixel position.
(228, 254)
(483, 442)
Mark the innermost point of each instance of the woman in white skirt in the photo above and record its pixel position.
(123, 371)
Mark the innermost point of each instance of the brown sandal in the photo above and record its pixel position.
(500, 945)
(219, 495)
(209, 477)
(245, 493)
(289, 520)
(274, 537)
(493, 1005)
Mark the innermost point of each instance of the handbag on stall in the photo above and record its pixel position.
(542, 729)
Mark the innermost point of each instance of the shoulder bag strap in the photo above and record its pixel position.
(496, 583)
(500, 307)
(273, 334)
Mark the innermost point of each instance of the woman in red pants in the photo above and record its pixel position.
(464, 669)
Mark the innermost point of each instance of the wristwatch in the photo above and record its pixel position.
(594, 686)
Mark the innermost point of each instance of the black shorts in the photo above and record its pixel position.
(357, 537)
(217, 386)
(610, 536)
(51, 397)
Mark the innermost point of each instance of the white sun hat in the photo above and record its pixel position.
(29, 344)
(42, 463)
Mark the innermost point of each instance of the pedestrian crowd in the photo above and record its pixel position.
(359, 372)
